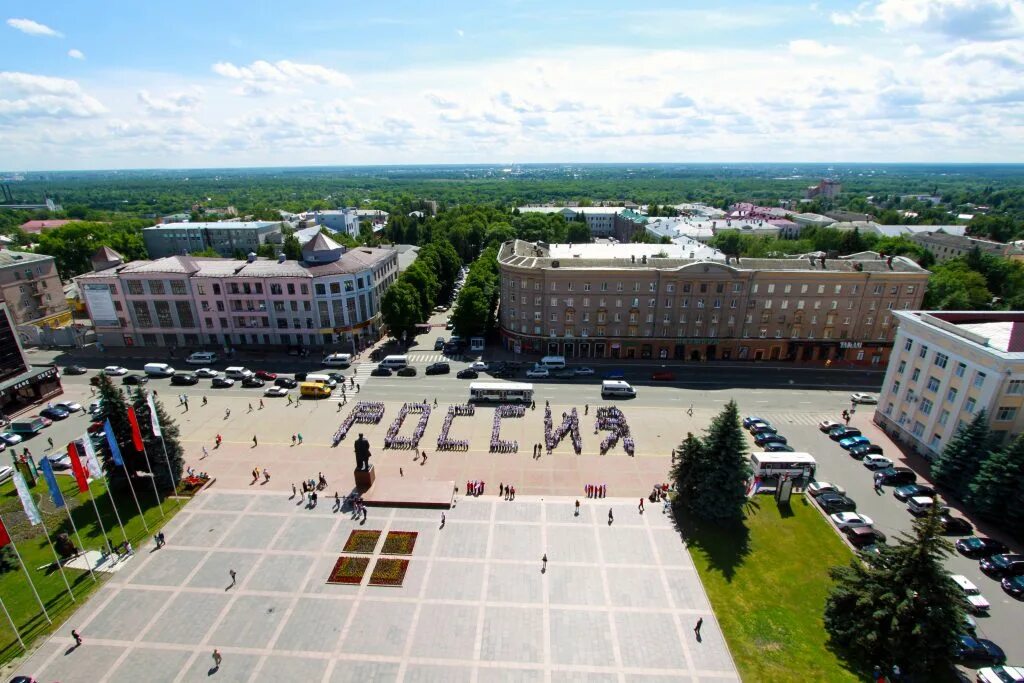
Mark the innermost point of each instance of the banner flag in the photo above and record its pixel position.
(152, 416)
(51, 482)
(5, 538)
(92, 463)
(136, 433)
(115, 452)
(76, 466)
(31, 511)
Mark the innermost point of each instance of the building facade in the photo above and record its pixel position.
(944, 246)
(648, 301)
(21, 385)
(331, 297)
(948, 366)
(227, 238)
(32, 289)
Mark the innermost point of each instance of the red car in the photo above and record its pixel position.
(664, 376)
(46, 421)
(266, 375)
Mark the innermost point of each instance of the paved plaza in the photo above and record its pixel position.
(616, 602)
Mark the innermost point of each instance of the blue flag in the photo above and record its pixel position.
(115, 452)
(51, 482)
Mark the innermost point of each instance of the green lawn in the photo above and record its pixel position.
(767, 581)
(14, 588)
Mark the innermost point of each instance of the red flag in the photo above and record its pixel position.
(76, 466)
(136, 434)
(5, 538)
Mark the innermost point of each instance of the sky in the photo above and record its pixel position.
(186, 84)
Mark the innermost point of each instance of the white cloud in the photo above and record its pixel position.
(678, 101)
(440, 102)
(964, 19)
(76, 54)
(27, 95)
(168, 104)
(460, 33)
(812, 48)
(263, 78)
(33, 28)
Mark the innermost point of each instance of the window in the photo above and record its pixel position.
(163, 314)
(941, 359)
(134, 287)
(915, 374)
(554, 301)
(979, 379)
(926, 406)
(934, 443)
(943, 417)
(918, 429)
(1006, 414)
(960, 369)
(902, 367)
(1016, 386)
(291, 288)
(933, 384)
(178, 287)
(909, 345)
(156, 286)
(970, 405)
(896, 389)
(771, 289)
(923, 351)
(142, 313)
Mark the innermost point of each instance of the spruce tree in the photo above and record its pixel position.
(686, 470)
(115, 409)
(961, 458)
(995, 490)
(900, 607)
(720, 487)
(166, 479)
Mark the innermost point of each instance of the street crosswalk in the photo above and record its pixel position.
(780, 419)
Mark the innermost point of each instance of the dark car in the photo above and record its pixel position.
(75, 370)
(134, 379)
(266, 375)
(381, 372)
(407, 371)
(1003, 565)
(1014, 585)
(968, 649)
(769, 437)
(184, 379)
(840, 433)
(439, 343)
(762, 428)
(951, 524)
(979, 546)
(897, 476)
(467, 374)
(54, 413)
(376, 354)
(866, 449)
(615, 374)
(863, 536)
(909, 491)
(286, 382)
(336, 376)
(777, 447)
(438, 369)
(300, 376)
(833, 502)
(222, 383)
(253, 382)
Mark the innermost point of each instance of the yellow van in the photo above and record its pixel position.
(314, 390)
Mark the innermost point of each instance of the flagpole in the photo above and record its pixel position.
(152, 478)
(154, 423)
(138, 442)
(115, 454)
(170, 472)
(85, 554)
(13, 627)
(110, 495)
(110, 550)
(31, 585)
(56, 559)
(131, 488)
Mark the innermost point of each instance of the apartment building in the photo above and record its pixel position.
(32, 289)
(227, 238)
(944, 246)
(601, 220)
(330, 297)
(663, 301)
(947, 366)
(21, 384)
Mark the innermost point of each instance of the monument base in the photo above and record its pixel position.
(365, 479)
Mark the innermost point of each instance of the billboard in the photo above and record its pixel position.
(101, 305)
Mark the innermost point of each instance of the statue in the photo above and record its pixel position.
(362, 454)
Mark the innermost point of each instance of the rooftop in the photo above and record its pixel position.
(593, 210)
(220, 225)
(14, 258)
(626, 250)
(39, 226)
(1001, 332)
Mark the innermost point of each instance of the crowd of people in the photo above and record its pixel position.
(570, 425)
(499, 445)
(392, 440)
(444, 442)
(612, 419)
(475, 488)
(596, 490)
(364, 412)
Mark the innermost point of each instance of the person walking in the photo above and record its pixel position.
(611, 517)
(544, 563)
(250, 407)
(217, 659)
(205, 453)
(255, 475)
(205, 401)
(254, 441)
(337, 502)
(294, 492)
(401, 472)
(293, 439)
(233, 575)
(218, 440)
(641, 506)
(300, 438)
(261, 404)
(696, 629)
(577, 508)
(289, 399)
(442, 520)
(49, 441)
(186, 404)
(586, 408)
(266, 475)
(78, 638)
(227, 413)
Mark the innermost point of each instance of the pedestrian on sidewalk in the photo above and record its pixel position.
(266, 475)
(186, 404)
(641, 506)
(294, 492)
(293, 439)
(217, 659)
(442, 520)
(254, 441)
(611, 517)
(78, 638)
(261, 404)
(49, 440)
(227, 413)
(234, 577)
(250, 407)
(577, 508)
(255, 475)
(205, 453)
(696, 629)
(401, 473)
(300, 438)
(205, 401)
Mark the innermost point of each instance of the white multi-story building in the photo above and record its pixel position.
(947, 366)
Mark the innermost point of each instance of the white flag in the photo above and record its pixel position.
(31, 511)
(92, 463)
(152, 415)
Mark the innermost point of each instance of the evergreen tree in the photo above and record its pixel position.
(165, 478)
(900, 606)
(995, 491)
(115, 409)
(720, 488)
(686, 470)
(961, 458)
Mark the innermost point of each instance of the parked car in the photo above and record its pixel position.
(979, 546)
(897, 476)
(970, 649)
(439, 344)
(69, 406)
(751, 420)
(206, 373)
(115, 370)
(440, 368)
(59, 461)
(1000, 674)
(538, 373)
(75, 370)
(479, 366)
(6, 472)
(584, 372)
(276, 391)
(663, 376)
(769, 437)
(380, 371)
(863, 536)
(951, 524)
(266, 375)
(866, 449)
(762, 428)
(816, 488)
(843, 432)
(828, 425)
(835, 502)
(867, 399)
(286, 382)
(184, 379)
(1002, 565)
(449, 325)
(909, 491)
(877, 462)
(844, 520)
(975, 600)
(776, 447)
(467, 374)
(407, 371)
(54, 413)
(222, 382)
(853, 441)
(134, 380)
(10, 438)
(1014, 585)
(253, 382)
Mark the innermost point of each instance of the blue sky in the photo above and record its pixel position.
(184, 84)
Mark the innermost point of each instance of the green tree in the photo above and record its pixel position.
(899, 607)
(953, 286)
(472, 311)
(400, 309)
(115, 409)
(266, 251)
(578, 233)
(292, 248)
(720, 491)
(208, 252)
(166, 470)
(995, 492)
(961, 459)
(685, 473)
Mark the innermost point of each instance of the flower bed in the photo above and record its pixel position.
(361, 541)
(389, 571)
(349, 570)
(399, 543)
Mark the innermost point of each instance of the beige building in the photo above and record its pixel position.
(32, 289)
(945, 246)
(664, 301)
(947, 366)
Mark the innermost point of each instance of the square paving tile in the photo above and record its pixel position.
(361, 670)
(516, 542)
(379, 628)
(235, 668)
(69, 664)
(517, 511)
(233, 502)
(475, 508)
(256, 531)
(581, 637)
(686, 590)
(513, 634)
(574, 585)
(452, 639)
(213, 572)
(507, 674)
(187, 618)
(430, 673)
(169, 567)
(126, 615)
(671, 549)
(151, 665)
(250, 621)
(583, 677)
(648, 641)
(626, 545)
(276, 669)
(454, 580)
(315, 624)
(280, 573)
(275, 502)
(462, 540)
(572, 544)
(636, 587)
(203, 529)
(516, 583)
(306, 533)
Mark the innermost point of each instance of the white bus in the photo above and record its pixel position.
(778, 464)
(501, 392)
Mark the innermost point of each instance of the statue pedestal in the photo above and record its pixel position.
(365, 479)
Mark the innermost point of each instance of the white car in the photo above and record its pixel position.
(850, 520)
(974, 597)
(816, 488)
(584, 372)
(6, 472)
(863, 398)
(115, 370)
(206, 372)
(479, 366)
(10, 438)
(1001, 674)
(538, 373)
(827, 425)
(876, 462)
(275, 392)
(69, 406)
